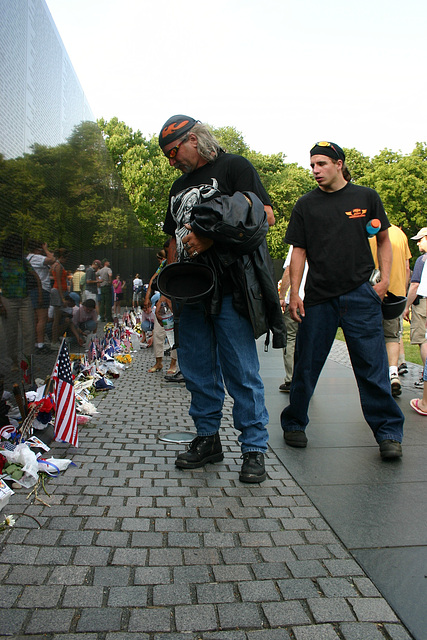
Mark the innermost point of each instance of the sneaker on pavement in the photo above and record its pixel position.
(253, 468)
(402, 369)
(396, 387)
(390, 449)
(285, 387)
(295, 439)
(419, 384)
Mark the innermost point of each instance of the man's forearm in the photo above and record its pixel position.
(296, 268)
(412, 293)
(270, 215)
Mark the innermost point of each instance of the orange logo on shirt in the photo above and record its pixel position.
(356, 213)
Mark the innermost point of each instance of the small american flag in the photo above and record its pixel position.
(92, 352)
(65, 410)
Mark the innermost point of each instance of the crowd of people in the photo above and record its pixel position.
(43, 299)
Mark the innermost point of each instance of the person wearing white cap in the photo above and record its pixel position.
(77, 276)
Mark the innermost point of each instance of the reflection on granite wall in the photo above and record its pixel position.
(61, 203)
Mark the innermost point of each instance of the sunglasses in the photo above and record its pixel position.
(324, 143)
(172, 152)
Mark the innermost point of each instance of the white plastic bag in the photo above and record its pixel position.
(23, 455)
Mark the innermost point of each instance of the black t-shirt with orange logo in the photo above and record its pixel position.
(331, 227)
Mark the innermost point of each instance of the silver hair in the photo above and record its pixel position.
(207, 145)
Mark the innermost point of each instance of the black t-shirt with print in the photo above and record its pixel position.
(228, 174)
(331, 227)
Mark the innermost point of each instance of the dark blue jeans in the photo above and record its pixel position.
(217, 349)
(358, 312)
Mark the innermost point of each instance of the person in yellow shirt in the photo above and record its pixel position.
(399, 280)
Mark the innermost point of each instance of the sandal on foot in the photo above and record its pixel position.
(415, 406)
(155, 369)
(171, 371)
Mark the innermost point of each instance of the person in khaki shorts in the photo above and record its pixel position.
(415, 310)
(399, 280)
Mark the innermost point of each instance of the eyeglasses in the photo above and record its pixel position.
(172, 152)
(325, 143)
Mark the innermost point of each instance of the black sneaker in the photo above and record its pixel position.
(295, 439)
(201, 450)
(402, 369)
(285, 387)
(390, 449)
(253, 469)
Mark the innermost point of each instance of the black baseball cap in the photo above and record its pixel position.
(330, 149)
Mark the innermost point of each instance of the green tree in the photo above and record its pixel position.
(401, 181)
(357, 163)
(119, 138)
(147, 177)
(231, 140)
(284, 183)
(285, 187)
(59, 194)
(145, 173)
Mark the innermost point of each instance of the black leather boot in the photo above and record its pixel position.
(253, 468)
(201, 450)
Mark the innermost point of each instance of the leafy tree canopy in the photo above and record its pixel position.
(401, 180)
(63, 195)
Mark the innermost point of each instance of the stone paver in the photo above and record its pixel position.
(133, 548)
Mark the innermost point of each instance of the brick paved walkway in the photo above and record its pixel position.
(132, 548)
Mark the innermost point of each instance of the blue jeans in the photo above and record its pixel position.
(358, 312)
(219, 349)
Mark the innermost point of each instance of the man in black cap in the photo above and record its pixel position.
(217, 338)
(328, 228)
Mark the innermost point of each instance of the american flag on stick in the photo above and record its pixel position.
(65, 400)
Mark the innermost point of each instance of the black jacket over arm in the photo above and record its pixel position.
(238, 230)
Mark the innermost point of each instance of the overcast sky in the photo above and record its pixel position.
(284, 73)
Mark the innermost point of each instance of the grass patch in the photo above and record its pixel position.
(412, 351)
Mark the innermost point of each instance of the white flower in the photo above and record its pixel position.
(9, 521)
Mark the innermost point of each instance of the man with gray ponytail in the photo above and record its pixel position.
(218, 215)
